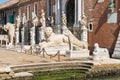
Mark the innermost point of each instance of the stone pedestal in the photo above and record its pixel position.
(83, 53)
(42, 34)
(17, 36)
(116, 55)
(54, 50)
(32, 35)
(84, 35)
(22, 34)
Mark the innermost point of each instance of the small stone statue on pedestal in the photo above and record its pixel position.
(11, 32)
(84, 28)
(17, 30)
(64, 23)
(24, 21)
(32, 30)
(34, 19)
(43, 25)
(42, 19)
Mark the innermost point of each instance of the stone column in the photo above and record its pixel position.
(32, 35)
(58, 16)
(17, 35)
(78, 10)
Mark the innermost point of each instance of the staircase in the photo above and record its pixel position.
(116, 53)
(84, 66)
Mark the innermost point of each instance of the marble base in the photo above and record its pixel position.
(84, 53)
(116, 55)
(54, 50)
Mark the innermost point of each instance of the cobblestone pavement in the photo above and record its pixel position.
(8, 57)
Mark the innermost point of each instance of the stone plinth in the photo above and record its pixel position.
(23, 74)
(84, 34)
(32, 35)
(84, 53)
(116, 55)
(54, 50)
(17, 36)
(5, 70)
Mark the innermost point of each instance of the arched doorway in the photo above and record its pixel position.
(70, 9)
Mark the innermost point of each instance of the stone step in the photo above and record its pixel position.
(53, 66)
(116, 53)
(78, 54)
(22, 74)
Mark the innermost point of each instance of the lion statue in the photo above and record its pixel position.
(11, 32)
(52, 39)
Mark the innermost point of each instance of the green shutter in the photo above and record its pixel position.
(11, 18)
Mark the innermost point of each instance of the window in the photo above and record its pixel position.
(5, 18)
(35, 8)
(28, 12)
(90, 26)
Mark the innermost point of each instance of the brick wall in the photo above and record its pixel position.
(103, 33)
(41, 4)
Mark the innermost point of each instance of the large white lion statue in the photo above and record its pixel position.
(11, 32)
(53, 39)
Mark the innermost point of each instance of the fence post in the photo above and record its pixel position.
(43, 53)
(58, 55)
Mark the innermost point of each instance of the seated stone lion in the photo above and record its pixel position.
(11, 32)
(53, 39)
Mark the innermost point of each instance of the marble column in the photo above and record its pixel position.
(58, 15)
(17, 36)
(78, 12)
(32, 35)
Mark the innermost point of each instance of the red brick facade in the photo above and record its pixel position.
(103, 33)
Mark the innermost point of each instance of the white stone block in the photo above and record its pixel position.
(77, 54)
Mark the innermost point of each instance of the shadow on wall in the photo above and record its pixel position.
(102, 20)
(116, 33)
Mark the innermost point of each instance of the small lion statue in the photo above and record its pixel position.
(52, 39)
(100, 54)
(11, 32)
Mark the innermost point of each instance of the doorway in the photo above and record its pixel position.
(70, 9)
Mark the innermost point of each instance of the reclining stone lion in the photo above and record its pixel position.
(53, 39)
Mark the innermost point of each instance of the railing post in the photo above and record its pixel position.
(43, 53)
(31, 49)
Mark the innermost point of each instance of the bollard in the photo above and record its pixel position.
(58, 55)
(43, 53)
